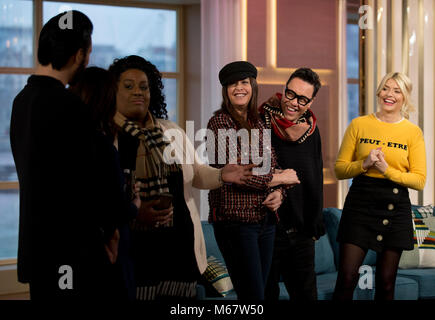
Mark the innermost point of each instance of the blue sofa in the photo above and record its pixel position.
(411, 284)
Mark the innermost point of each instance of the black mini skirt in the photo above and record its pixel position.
(377, 215)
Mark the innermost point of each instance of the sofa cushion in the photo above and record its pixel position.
(324, 256)
(425, 279)
(423, 255)
(217, 275)
(406, 288)
(283, 293)
(416, 207)
(210, 241)
(331, 218)
(326, 285)
(370, 258)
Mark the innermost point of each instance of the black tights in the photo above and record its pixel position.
(352, 257)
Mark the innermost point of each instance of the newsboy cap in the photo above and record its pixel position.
(236, 71)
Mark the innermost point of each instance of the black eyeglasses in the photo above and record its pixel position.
(302, 100)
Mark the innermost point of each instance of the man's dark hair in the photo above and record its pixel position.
(307, 75)
(58, 42)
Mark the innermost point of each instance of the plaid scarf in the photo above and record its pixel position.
(151, 170)
(283, 128)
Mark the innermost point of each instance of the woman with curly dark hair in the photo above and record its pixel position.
(168, 249)
(122, 67)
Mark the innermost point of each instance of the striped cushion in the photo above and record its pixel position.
(423, 255)
(217, 274)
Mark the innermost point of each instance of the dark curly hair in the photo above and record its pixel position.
(157, 103)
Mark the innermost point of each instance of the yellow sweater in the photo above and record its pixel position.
(401, 142)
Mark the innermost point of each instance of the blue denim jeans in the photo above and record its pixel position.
(247, 250)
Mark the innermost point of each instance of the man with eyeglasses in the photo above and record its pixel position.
(296, 139)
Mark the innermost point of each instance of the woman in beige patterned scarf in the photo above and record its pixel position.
(168, 249)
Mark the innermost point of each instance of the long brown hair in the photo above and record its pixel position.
(97, 89)
(228, 108)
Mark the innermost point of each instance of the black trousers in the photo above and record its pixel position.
(293, 260)
(93, 279)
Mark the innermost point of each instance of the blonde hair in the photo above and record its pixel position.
(405, 86)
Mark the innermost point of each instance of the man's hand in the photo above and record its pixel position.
(149, 216)
(273, 200)
(238, 174)
(287, 176)
(112, 247)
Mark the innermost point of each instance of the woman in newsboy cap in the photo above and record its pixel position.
(244, 218)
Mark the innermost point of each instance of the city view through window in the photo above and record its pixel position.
(118, 32)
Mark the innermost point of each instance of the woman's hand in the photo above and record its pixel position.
(371, 158)
(151, 217)
(273, 200)
(381, 165)
(238, 174)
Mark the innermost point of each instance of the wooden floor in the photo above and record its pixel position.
(15, 296)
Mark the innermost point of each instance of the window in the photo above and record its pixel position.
(122, 31)
(352, 50)
(352, 63)
(16, 57)
(16, 34)
(118, 31)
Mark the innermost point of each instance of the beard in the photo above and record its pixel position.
(79, 72)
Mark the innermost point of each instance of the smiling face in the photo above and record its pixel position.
(133, 95)
(240, 94)
(390, 97)
(291, 109)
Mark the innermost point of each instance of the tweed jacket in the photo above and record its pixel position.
(232, 203)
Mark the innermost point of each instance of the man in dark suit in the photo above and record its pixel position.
(62, 231)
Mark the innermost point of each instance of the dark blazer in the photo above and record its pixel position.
(61, 217)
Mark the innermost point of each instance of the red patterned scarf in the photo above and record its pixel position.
(287, 130)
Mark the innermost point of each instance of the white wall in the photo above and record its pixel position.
(192, 68)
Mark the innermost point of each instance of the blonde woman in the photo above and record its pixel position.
(385, 155)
